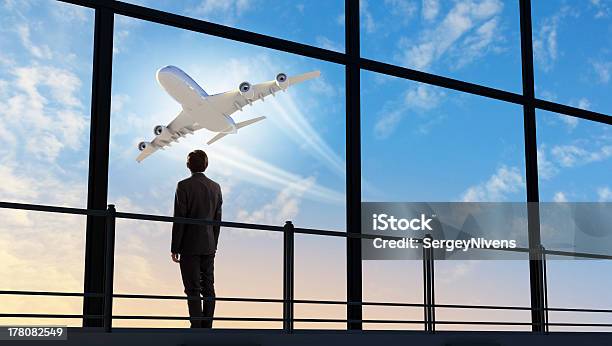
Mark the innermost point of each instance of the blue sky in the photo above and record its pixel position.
(419, 142)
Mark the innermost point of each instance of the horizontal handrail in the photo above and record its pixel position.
(52, 209)
(252, 226)
(299, 301)
(304, 320)
(27, 315)
(50, 293)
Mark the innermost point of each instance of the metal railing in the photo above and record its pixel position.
(288, 301)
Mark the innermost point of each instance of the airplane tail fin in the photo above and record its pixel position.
(248, 122)
(216, 138)
(238, 126)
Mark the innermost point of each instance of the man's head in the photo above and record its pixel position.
(197, 161)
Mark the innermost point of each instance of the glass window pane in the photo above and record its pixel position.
(393, 282)
(315, 22)
(579, 284)
(572, 57)
(288, 167)
(45, 93)
(495, 282)
(425, 144)
(320, 274)
(574, 165)
(476, 41)
(442, 145)
(248, 264)
(45, 86)
(574, 159)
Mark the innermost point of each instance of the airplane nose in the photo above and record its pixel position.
(168, 70)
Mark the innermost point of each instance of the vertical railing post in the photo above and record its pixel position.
(432, 295)
(288, 260)
(109, 266)
(425, 290)
(545, 281)
(428, 288)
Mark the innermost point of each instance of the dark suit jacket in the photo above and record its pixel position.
(196, 197)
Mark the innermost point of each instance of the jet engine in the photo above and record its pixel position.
(246, 90)
(143, 145)
(281, 80)
(161, 130)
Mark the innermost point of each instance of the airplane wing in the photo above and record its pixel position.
(229, 102)
(181, 126)
(146, 152)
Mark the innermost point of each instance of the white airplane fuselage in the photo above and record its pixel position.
(192, 97)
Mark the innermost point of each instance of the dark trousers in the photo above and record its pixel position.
(198, 273)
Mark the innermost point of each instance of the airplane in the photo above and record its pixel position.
(211, 112)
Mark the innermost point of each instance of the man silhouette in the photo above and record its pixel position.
(194, 246)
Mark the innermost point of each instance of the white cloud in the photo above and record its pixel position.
(404, 9)
(434, 43)
(547, 95)
(267, 174)
(44, 108)
(63, 84)
(583, 103)
(420, 99)
(573, 155)
(118, 102)
(456, 270)
(571, 121)
(605, 194)
(326, 43)
(505, 181)
(68, 12)
(322, 87)
(224, 11)
(476, 45)
(546, 169)
(423, 97)
(559, 197)
(119, 40)
(602, 69)
(431, 8)
(545, 43)
(340, 20)
(366, 17)
(387, 123)
(285, 206)
(601, 8)
(41, 52)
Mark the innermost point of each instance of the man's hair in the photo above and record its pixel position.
(197, 161)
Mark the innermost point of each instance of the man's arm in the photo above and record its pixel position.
(217, 229)
(180, 210)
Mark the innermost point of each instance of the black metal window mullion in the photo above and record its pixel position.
(353, 166)
(97, 186)
(531, 168)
